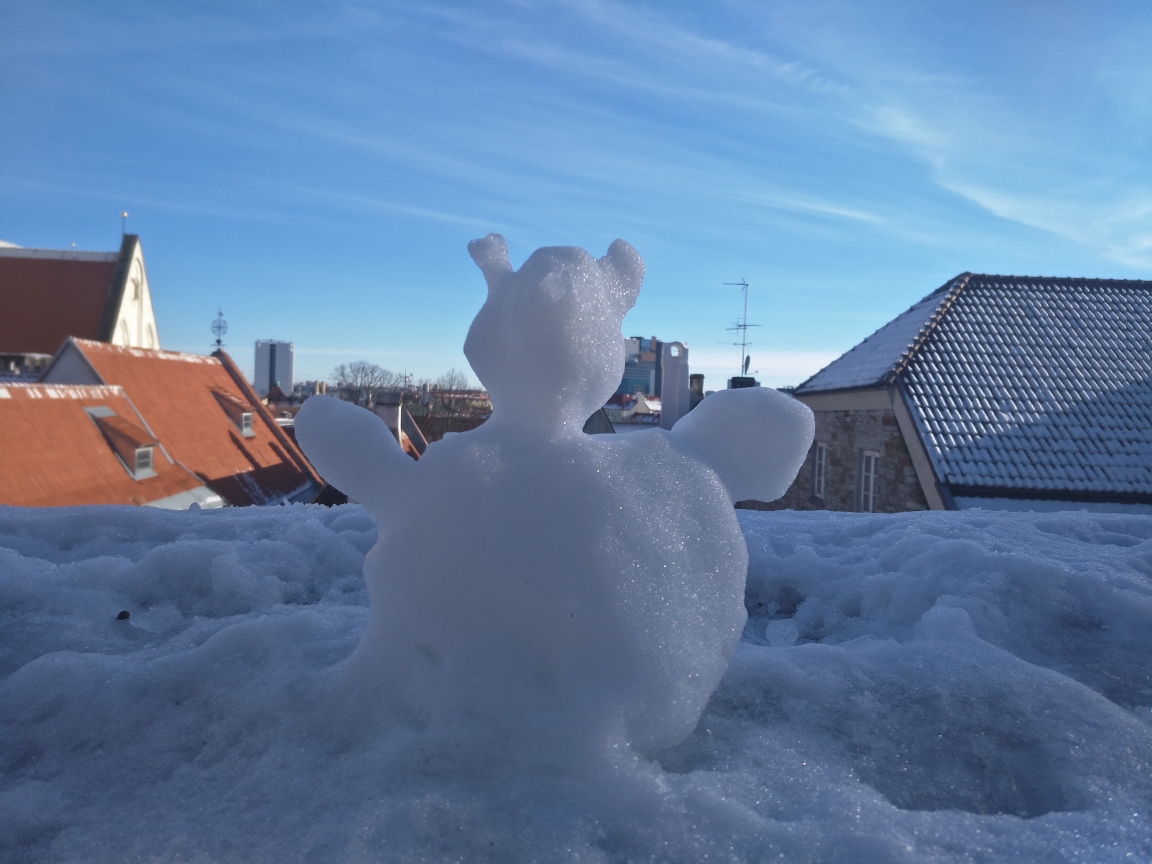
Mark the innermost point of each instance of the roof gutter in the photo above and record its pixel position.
(1082, 496)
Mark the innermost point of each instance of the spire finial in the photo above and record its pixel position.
(219, 328)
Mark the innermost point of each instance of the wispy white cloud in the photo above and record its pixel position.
(397, 207)
(800, 204)
(1045, 172)
(655, 30)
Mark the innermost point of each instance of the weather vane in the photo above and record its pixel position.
(219, 328)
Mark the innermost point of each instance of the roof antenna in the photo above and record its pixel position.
(219, 328)
(742, 326)
(123, 222)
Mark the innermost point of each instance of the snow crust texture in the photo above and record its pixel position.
(539, 595)
(945, 687)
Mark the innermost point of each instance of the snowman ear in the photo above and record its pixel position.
(627, 265)
(491, 256)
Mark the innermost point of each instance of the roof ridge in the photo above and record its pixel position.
(58, 254)
(1061, 280)
(959, 282)
(159, 353)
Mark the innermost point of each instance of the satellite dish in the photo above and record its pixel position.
(747, 362)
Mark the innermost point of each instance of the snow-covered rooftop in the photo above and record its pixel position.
(1024, 383)
(878, 356)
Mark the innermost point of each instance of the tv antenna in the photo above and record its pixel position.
(741, 326)
(219, 328)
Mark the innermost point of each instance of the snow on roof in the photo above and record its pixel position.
(1021, 383)
(54, 452)
(1041, 384)
(868, 363)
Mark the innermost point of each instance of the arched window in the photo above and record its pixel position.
(124, 338)
(149, 337)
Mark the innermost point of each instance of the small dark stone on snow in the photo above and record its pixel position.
(124, 616)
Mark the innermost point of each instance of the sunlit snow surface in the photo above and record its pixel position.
(924, 687)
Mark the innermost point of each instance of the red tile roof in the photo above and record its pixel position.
(182, 397)
(47, 295)
(53, 453)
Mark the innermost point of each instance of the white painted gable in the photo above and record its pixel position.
(135, 321)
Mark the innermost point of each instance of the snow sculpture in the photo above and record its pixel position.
(540, 589)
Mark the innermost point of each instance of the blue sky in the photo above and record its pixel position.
(317, 169)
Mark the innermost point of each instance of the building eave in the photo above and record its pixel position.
(1072, 495)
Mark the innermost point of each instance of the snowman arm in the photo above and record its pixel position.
(352, 449)
(755, 439)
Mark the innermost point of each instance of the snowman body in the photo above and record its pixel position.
(538, 583)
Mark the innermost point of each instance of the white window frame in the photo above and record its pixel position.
(246, 424)
(869, 463)
(819, 470)
(143, 458)
(144, 461)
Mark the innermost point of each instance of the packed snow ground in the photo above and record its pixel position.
(922, 687)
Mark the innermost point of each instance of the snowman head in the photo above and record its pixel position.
(547, 344)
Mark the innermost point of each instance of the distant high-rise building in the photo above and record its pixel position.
(642, 368)
(656, 368)
(273, 366)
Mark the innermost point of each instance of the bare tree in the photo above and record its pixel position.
(361, 382)
(454, 379)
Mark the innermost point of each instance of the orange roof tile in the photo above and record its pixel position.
(53, 454)
(182, 397)
(48, 295)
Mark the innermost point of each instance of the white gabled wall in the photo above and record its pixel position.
(135, 320)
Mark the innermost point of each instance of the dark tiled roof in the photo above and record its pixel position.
(47, 295)
(1030, 386)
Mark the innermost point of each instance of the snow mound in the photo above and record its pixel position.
(946, 687)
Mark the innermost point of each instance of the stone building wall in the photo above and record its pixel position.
(848, 434)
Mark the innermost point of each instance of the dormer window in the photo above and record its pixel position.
(134, 447)
(143, 460)
(238, 411)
